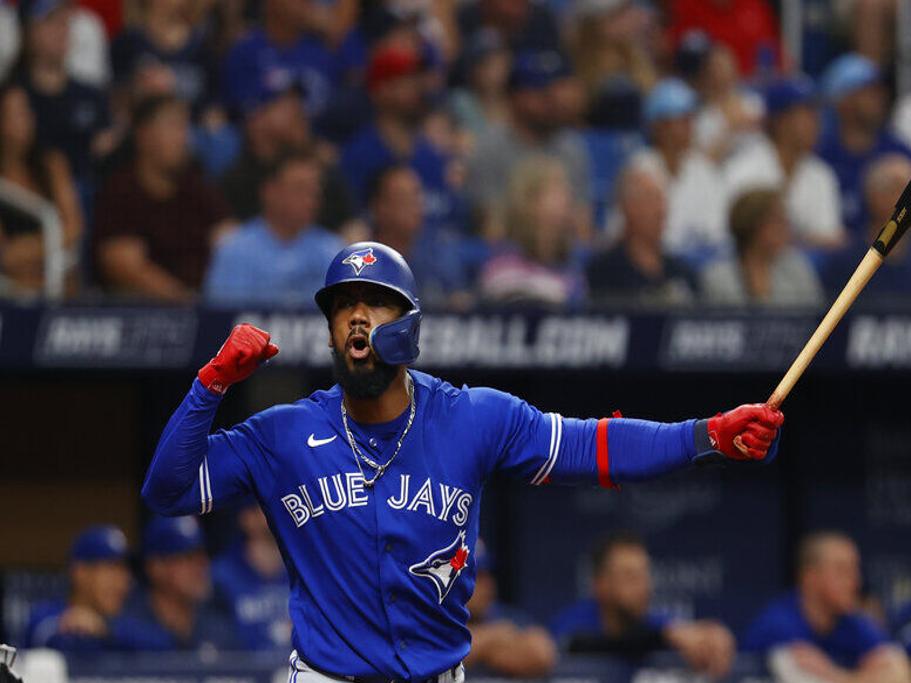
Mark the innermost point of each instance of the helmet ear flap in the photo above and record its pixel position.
(396, 342)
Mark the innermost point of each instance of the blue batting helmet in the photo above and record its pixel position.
(396, 342)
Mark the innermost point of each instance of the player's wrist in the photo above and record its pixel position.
(706, 450)
(211, 379)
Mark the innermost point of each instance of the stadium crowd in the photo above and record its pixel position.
(558, 153)
(821, 630)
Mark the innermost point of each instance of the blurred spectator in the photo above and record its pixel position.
(398, 93)
(276, 124)
(503, 640)
(165, 36)
(396, 210)
(534, 128)
(785, 159)
(522, 24)
(637, 267)
(816, 632)
(174, 609)
(88, 59)
(427, 27)
(156, 217)
(853, 85)
(283, 52)
(72, 116)
(89, 620)
(9, 37)
(871, 27)
(612, 39)
(618, 619)
(695, 191)
(482, 101)
(766, 269)
(900, 624)
(278, 258)
(24, 162)
(748, 27)
(536, 265)
(883, 184)
(87, 55)
(730, 115)
(250, 578)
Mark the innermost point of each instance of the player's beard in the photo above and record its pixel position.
(362, 381)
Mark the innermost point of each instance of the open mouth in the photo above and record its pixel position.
(358, 346)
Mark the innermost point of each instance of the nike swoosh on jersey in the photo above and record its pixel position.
(314, 442)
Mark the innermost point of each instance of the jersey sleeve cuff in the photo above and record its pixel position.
(203, 395)
(704, 451)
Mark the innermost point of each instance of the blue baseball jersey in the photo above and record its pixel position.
(212, 629)
(783, 622)
(850, 167)
(380, 574)
(259, 604)
(124, 633)
(584, 619)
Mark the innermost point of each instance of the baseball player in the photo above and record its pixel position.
(372, 488)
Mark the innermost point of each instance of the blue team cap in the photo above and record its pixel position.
(535, 70)
(98, 544)
(848, 73)
(784, 93)
(172, 536)
(671, 98)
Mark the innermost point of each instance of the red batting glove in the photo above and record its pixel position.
(244, 349)
(757, 426)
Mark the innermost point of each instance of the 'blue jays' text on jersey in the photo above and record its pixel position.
(380, 575)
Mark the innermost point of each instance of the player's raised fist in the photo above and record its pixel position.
(746, 432)
(244, 349)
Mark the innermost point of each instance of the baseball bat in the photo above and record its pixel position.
(891, 232)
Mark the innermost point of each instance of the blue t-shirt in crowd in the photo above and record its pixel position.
(584, 619)
(124, 633)
(255, 66)
(367, 153)
(441, 263)
(211, 628)
(850, 168)
(254, 266)
(258, 603)
(783, 622)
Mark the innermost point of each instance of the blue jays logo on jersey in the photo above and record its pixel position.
(360, 259)
(443, 566)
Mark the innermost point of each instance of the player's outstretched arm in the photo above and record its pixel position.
(631, 450)
(546, 447)
(189, 465)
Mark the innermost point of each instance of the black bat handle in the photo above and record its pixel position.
(897, 225)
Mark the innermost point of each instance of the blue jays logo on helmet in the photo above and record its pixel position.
(444, 566)
(395, 342)
(360, 259)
